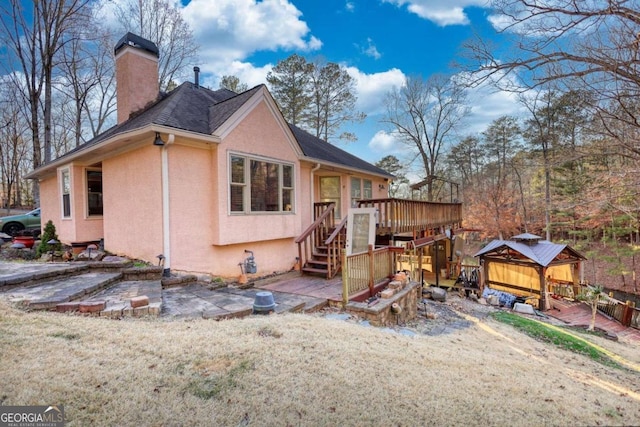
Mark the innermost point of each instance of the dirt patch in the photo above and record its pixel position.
(436, 318)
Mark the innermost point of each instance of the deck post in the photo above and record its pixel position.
(371, 271)
(345, 277)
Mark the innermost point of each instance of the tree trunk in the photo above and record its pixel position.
(547, 196)
(594, 312)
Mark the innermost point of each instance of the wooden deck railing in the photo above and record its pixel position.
(335, 243)
(396, 216)
(626, 314)
(365, 270)
(316, 234)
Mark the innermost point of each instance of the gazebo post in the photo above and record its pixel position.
(543, 288)
(484, 261)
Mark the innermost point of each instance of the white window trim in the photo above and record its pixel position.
(66, 170)
(246, 193)
(361, 182)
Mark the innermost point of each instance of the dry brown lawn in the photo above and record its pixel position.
(303, 371)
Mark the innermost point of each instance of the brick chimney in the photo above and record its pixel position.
(136, 74)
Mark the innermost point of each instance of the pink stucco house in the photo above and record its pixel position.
(198, 176)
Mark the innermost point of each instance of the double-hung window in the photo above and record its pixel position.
(360, 189)
(260, 185)
(65, 179)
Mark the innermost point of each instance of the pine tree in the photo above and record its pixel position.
(48, 234)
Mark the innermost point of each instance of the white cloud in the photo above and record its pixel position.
(371, 50)
(350, 6)
(229, 30)
(245, 71)
(384, 143)
(488, 103)
(440, 12)
(372, 88)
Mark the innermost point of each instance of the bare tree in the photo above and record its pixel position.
(79, 75)
(33, 39)
(162, 23)
(13, 147)
(588, 45)
(425, 113)
(542, 135)
(100, 106)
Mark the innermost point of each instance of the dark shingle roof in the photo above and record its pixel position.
(197, 109)
(319, 149)
(220, 113)
(186, 107)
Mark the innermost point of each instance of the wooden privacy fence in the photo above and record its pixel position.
(626, 314)
(365, 270)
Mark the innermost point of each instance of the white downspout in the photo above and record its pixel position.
(312, 183)
(166, 224)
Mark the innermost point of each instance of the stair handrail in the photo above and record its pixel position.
(316, 223)
(335, 233)
(313, 235)
(335, 244)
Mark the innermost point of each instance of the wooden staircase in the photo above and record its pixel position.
(322, 255)
(320, 246)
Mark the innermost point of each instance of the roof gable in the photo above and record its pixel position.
(228, 115)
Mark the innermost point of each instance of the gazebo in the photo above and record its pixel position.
(526, 266)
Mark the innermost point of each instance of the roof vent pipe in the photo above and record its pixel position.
(196, 71)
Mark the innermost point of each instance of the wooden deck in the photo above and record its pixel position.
(578, 314)
(315, 286)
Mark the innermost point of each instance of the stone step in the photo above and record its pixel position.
(119, 297)
(314, 305)
(33, 274)
(48, 294)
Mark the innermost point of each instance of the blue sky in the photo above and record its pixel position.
(380, 42)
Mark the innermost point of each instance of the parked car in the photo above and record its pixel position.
(14, 224)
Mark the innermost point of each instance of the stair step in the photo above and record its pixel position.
(46, 295)
(317, 262)
(315, 270)
(30, 275)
